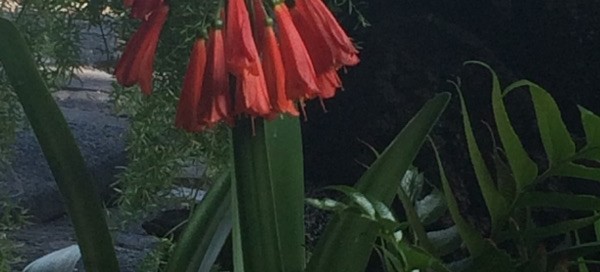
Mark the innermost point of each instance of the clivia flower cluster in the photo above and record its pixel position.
(261, 61)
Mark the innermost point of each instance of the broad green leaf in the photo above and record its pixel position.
(206, 231)
(61, 151)
(446, 240)
(556, 138)
(346, 244)
(431, 207)
(523, 167)
(269, 195)
(591, 126)
(559, 200)
(471, 237)
(496, 204)
(63, 260)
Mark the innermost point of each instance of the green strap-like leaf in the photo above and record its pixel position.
(559, 200)
(61, 152)
(347, 241)
(471, 237)
(539, 233)
(269, 195)
(206, 231)
(591, 126)
(496, 204)
(523, 167)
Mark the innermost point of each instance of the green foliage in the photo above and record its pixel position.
(511, 230)
(346, 243)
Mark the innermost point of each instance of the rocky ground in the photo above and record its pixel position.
(100, 134)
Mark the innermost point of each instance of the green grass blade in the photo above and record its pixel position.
(555, 136)
(347, 241)
(559, 200)
(523, 167)
(577, 171)
(471, 237)
(415, 222)
(496, 204)
(270, 194)
(61, 152)
(533, 235)
(206, 231)
(591, 126)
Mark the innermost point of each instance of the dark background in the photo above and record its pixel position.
(410, 51)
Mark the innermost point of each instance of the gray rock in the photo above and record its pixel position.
(101, 139)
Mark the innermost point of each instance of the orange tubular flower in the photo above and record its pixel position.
(187, 110)
(275, 74)
(317, 22)
(260, 23)
(136, 63)
(300, 74)
(215, 103)
(241, 56)
(251, 96)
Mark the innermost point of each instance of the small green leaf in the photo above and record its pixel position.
(327, 204)
(359, 199)
(559, 200)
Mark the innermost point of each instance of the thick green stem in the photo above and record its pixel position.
(61, 151)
